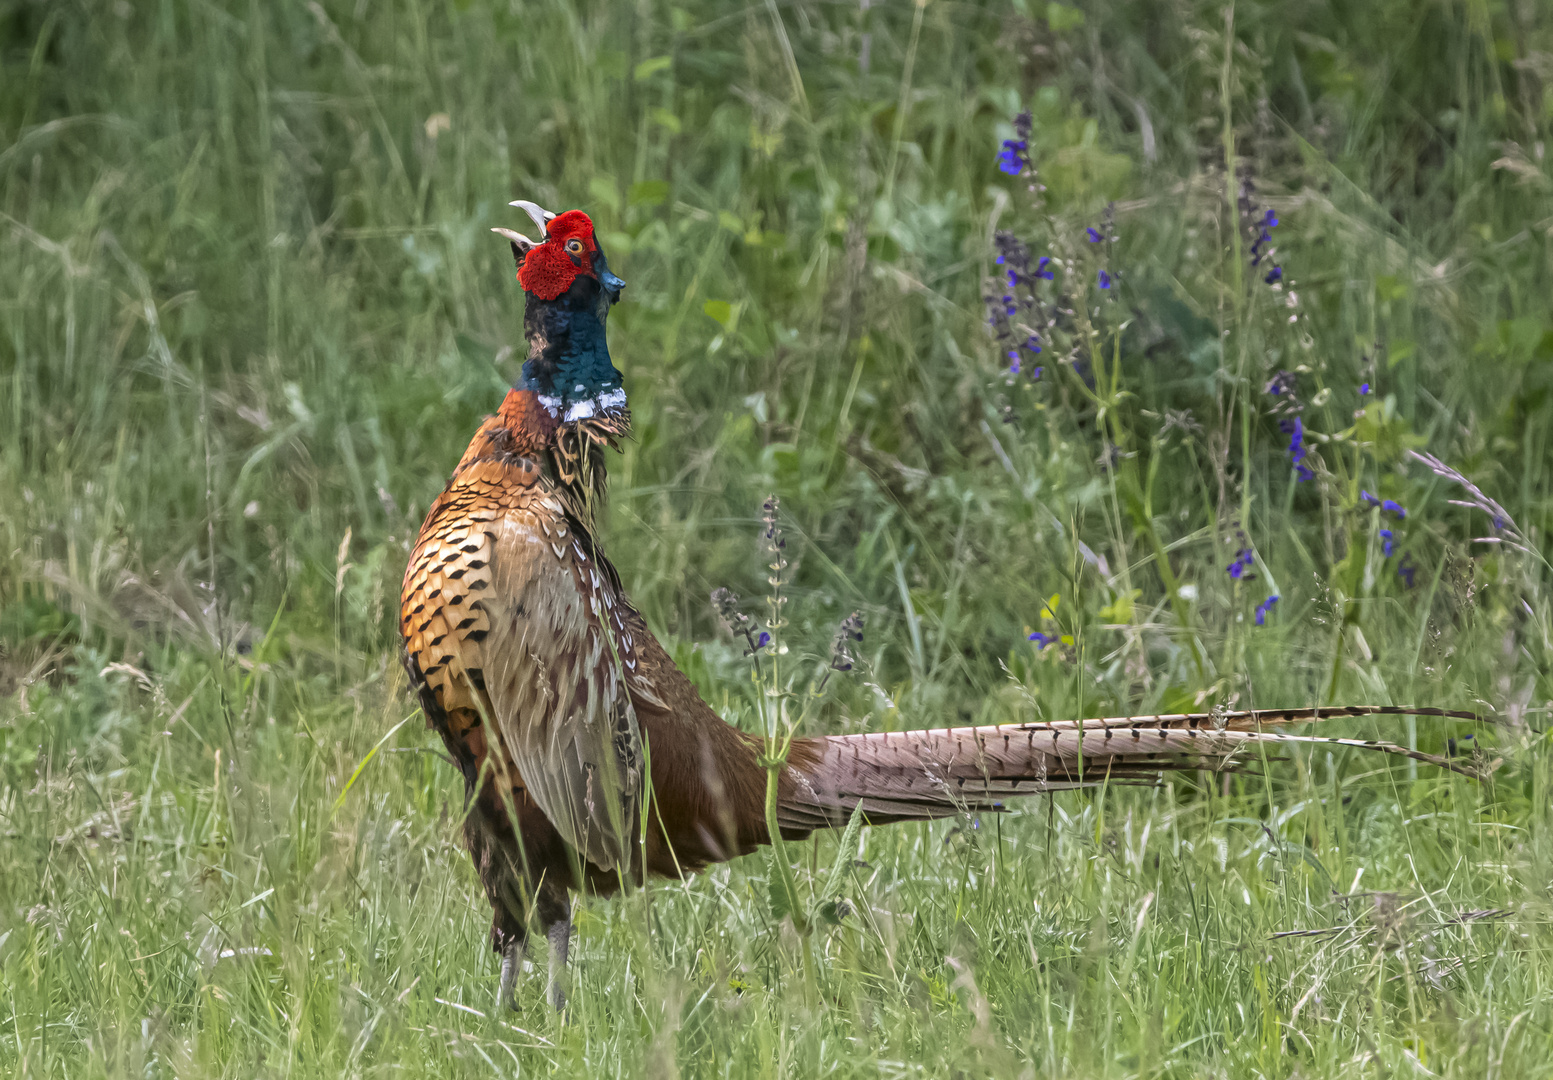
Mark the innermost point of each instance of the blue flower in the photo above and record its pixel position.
(1406, 569)
(1387, 505)
(1295, 429)
(1013, 356)
(1263, 608)
(1105, 280)
(1387, 542)
(1242, 564)
(1094, 235)
(1042, 640)
(1011, 159)
(1040, 268)
(1270, 221)
(1257, 254)
(1364, 388)
(1280, 384)
(1274, 275)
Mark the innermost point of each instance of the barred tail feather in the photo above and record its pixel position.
(919, 775)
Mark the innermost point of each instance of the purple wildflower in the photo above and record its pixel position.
(1042, 640)
(1364, 389)
(1105, 280)
(763, 640)
(1295, 429)
(1241, 567)
(1366, 497)
(1280, 384)
(1406, 569)
(1264, 236)
(1388, 542)
(1012, 158)
(1261, 222)
(1095, 235)
(1263, 608)
(1395, 507)
(1041, 270)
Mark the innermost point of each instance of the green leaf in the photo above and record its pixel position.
(719, 311)
(1062, 18)
(603, 189)
(648, 68)
(648, 193)
(663, 118)
(1120, 609)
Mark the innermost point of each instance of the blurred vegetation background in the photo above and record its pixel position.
(254, 312)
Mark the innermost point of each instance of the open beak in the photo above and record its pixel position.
(541, 216)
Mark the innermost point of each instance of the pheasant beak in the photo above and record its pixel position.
(541, 216)
(612, 284)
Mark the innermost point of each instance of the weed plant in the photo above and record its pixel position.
(1285, 442)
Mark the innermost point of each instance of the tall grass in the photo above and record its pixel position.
(254, 312)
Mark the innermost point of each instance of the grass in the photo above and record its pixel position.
(254, 312)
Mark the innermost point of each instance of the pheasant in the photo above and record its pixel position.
(571, 724)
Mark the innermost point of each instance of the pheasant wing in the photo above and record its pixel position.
(554, 677)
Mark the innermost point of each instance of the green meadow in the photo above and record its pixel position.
(252, 312)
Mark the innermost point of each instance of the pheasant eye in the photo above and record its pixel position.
(574, 246)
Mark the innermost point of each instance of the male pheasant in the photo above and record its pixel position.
(552, 695)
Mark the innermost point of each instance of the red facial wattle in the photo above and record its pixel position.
(551, 267)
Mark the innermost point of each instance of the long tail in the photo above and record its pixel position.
(917, 775)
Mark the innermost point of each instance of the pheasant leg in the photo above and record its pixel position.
(512, 960)
(560, 935)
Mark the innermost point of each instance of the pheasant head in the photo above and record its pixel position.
(568, 289)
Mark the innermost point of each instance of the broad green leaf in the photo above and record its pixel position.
(648, 68)
(663, 118)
